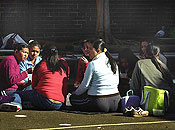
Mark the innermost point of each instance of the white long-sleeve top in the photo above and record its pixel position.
(99, 78)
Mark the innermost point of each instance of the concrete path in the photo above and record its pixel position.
(31, 119)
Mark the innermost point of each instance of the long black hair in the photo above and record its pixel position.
(153, 51)
(51, 56)
(100, 44)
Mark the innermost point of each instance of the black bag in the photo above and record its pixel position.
(10, 42)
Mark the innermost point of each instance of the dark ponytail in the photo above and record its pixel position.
(112, 62)
(51, 56)
(100, 44)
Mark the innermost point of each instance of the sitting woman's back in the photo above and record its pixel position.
(51, 75)
(99, 89)
(150, 72)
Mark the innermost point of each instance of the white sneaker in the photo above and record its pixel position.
(10, 107)
(140, 112)
(68, 100)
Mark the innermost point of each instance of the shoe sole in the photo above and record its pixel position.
(128, 113)
(9, 108)
(142, 114)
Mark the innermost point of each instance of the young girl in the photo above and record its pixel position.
(100, 82)
(32, 60)
(82, 64)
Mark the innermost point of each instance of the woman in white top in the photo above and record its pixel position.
(99, 88)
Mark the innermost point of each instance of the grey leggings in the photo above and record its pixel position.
(97, 104)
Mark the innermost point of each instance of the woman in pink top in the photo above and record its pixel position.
(49, 83)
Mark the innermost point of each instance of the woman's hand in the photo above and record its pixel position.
(76, 84)
(30, 70)
(28, 83)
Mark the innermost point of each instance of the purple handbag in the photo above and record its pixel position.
(130, 100)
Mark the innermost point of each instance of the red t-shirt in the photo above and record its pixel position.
(81, 70)
(51, 85)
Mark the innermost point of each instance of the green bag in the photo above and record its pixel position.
(155, 98)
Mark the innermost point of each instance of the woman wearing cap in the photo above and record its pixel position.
(99, 89)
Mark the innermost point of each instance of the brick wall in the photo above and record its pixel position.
(141, 18)
(58, 20)
(72, 20)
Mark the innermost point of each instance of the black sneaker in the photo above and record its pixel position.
(129, 111)
(10, 107)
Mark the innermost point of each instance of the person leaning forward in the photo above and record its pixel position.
(10, 76)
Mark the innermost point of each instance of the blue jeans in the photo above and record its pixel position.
(28, 88)
(37, 100)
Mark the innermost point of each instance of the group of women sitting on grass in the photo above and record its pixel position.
(97, 81)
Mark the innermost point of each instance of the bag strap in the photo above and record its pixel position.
(129, 92)
(166, 100)
(144, 103)
(10, 42)
(13, 36)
